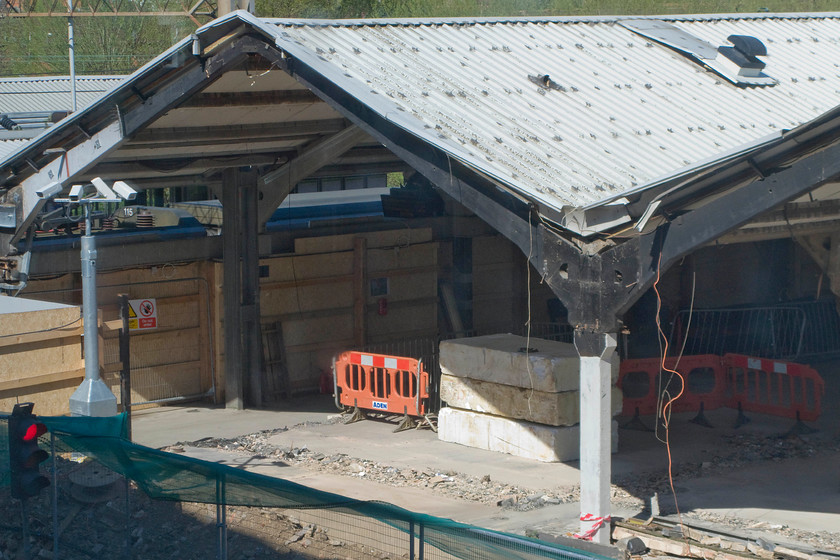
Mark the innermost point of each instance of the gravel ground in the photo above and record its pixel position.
(629, 492)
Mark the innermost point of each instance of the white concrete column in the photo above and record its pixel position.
(596, 351)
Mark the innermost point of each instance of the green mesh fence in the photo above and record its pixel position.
(168, 476)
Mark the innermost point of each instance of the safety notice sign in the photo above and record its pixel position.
(142, 314)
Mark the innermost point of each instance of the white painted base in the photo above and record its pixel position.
(549, 444)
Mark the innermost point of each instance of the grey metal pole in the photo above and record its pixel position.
(72, 45)
(89, 307)
(93, 397)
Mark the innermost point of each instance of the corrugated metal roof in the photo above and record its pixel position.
(51, 93)
(624, 113)
(9, 146)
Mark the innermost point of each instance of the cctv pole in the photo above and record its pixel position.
(92, 398)
(72, 45)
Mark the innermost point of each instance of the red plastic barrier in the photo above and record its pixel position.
(774, 387)
(640, 383)
(381, 383)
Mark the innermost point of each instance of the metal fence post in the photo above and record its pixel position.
(54, 496)
(422, 542)
(221, 519)
(127, 552)
(411, 540)
(125, 361)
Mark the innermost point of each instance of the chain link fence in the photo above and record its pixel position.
(110, 498)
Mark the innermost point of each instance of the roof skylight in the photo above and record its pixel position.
(737, 63)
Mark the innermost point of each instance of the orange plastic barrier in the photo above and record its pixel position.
(774, 387)
(381, 383)
(641, 380)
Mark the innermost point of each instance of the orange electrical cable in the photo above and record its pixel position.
(667, 406)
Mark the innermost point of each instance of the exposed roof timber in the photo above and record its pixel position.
(355, 161)
(162, 182)
(199, 135)
(252, 99)
(794, 218)
(282, 145)
(277, 184)
(179, 166)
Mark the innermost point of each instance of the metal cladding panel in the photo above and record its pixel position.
(19, 95)
(623, 111)
(9, 146)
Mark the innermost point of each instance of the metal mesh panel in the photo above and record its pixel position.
(788, 332)
(179, 507)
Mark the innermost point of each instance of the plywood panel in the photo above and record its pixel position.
(319, 329)
(337, 243)
(492, 249)
(404, 318)
(50, 400)
(301, 268)
(380, 260)
(281, 301)
(44, 320)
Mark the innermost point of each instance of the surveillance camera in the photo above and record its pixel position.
(103, 189)
(125, 191)
(76, 193)
(49, 191)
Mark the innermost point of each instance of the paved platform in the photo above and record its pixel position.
(801, 493)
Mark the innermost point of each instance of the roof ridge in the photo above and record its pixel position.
(419, 22)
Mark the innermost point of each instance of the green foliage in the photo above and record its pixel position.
(104, 45)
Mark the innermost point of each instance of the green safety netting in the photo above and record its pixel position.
(169, 476)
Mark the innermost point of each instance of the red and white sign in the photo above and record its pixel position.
(142, 314)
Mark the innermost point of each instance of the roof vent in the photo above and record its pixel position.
(737, 64)
(743, 53)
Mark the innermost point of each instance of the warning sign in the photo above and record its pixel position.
(142, 314)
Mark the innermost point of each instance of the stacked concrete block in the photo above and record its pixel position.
(504, 397)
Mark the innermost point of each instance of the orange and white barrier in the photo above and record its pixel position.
(379, 383)
(641, 382)
(774, 387)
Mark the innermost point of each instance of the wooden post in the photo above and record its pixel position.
(232, 289)
(359, 290)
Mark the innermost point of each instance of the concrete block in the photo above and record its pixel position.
(553, 367)
(549, 444)
(555, 409)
